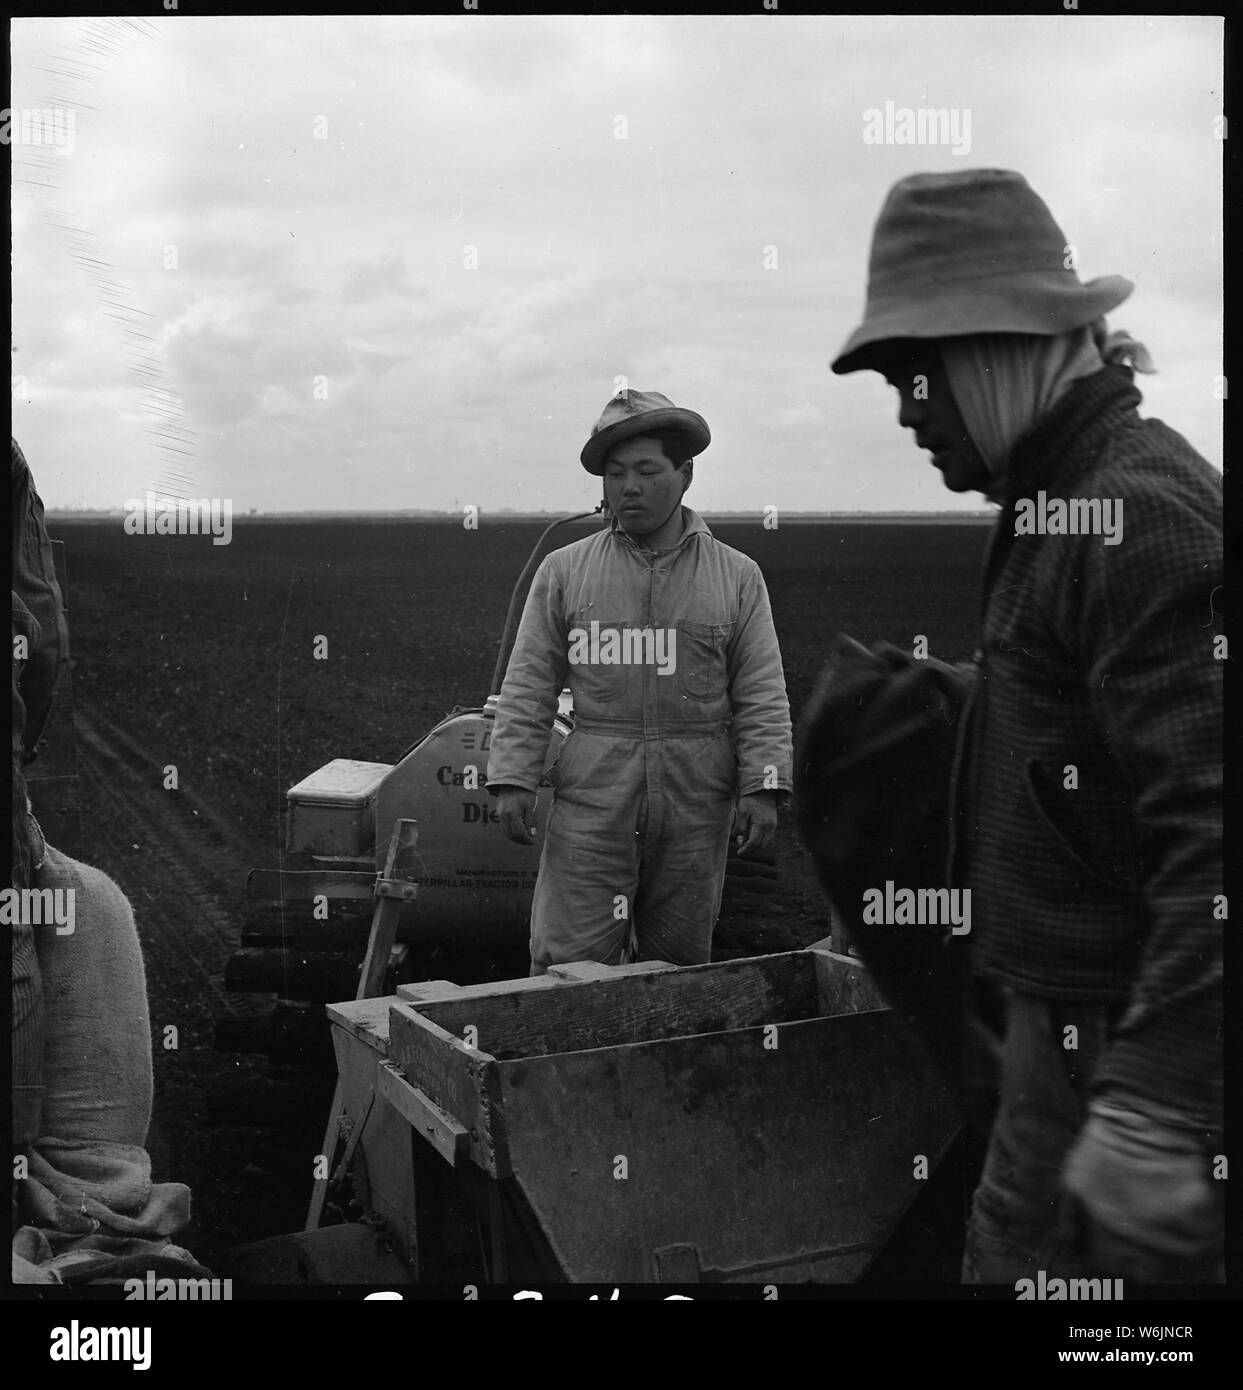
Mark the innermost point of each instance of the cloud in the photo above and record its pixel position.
(436, 216)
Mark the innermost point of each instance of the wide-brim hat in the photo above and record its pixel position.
(974, 251)
(640, 412)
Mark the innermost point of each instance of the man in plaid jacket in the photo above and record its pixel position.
(1086, 819)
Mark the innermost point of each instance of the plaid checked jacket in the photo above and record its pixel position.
(1087, 787)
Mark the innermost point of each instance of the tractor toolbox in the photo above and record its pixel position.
(332, 812)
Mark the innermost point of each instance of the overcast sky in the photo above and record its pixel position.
(245, 273)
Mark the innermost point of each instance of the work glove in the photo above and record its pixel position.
(1141, 1203)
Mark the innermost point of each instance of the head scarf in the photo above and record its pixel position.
(1003, 383)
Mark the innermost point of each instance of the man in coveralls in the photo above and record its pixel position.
(681, 722)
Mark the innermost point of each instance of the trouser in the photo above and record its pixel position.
(634, 850)
(1021, 1223)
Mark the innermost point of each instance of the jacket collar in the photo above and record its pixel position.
(692, 525)
(1062, 444)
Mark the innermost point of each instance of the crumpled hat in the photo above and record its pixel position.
(973, 251)
(638, 412)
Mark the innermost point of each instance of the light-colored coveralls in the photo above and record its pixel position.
(645, 787)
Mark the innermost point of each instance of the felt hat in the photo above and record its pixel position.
(639, 412)
(974, 251)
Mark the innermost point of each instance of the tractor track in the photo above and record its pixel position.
(183, 866)
(175, 857)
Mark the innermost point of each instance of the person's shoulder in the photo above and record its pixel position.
(699, 533)
(1166, 505)
(585, 545)
(737, 561)
(565, 558)
(1146, 456)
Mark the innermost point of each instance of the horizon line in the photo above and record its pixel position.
(69, 513)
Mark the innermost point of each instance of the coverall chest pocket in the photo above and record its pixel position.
(702, 670)
(599, 659)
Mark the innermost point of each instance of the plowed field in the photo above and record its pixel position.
(202, 657)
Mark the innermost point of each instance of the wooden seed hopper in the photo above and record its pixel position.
(765, 1119)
